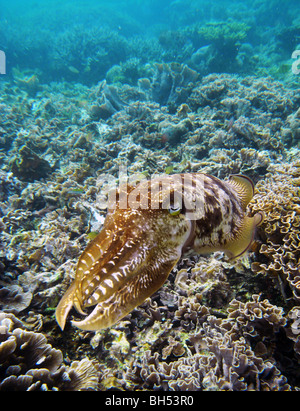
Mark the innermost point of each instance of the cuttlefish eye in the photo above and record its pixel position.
(175, 209)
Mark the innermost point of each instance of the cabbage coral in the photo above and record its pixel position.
(278, 197)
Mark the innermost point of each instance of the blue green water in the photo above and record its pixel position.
(82, 40)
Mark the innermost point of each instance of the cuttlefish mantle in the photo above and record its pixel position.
(142, 241)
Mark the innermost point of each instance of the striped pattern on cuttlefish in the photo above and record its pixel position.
(141, 241)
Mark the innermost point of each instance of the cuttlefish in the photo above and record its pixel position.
(148, 228)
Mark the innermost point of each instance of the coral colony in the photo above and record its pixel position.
(149, 198)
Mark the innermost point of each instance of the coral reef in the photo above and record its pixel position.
(215, 324)
(222, 38)
(107, 102)
(30, 166)
(172, 83)
(223, 32)
(278, 197)
(232, 37)
(223, 354)
(29, 363)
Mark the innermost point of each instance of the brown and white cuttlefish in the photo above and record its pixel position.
(149, 228)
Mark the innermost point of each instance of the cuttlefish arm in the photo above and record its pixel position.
(65, 305)
(92, 253)
(124, 265)
(133, 293)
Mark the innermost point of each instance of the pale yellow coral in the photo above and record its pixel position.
(278, 197)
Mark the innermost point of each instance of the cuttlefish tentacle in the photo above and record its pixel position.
(137, 248)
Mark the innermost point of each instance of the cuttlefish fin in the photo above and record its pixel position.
(124, 300)
(243, 240)
(65, 305)
(244, 187)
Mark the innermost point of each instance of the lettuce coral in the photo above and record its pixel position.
(223, 354)
(279, 252)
